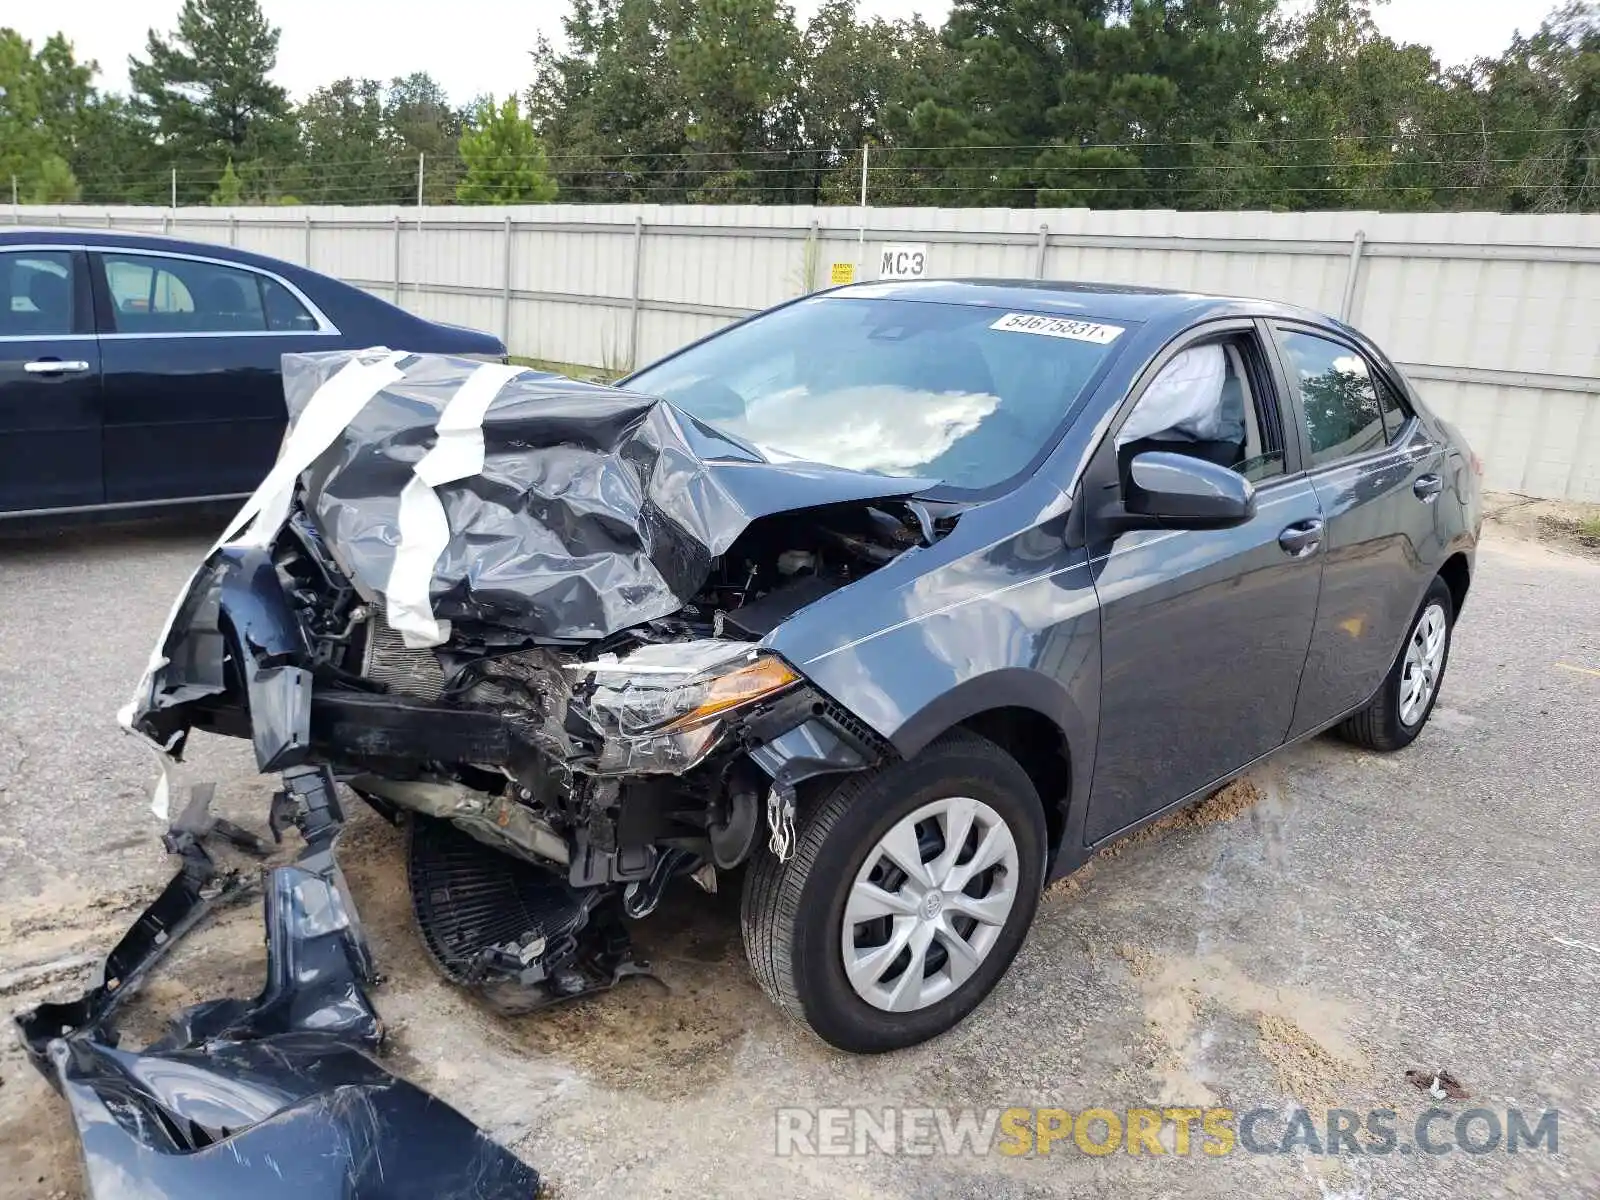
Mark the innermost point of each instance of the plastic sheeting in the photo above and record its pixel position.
(593, 509)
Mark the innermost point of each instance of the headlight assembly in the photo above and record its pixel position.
(663, 707)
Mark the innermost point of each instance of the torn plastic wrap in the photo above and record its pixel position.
(477, 501)
(570, 510)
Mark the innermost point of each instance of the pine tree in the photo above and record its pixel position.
(205, 93)
(229, 191)
(504, 159)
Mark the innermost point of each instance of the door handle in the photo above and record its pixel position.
(54, 366)
(1428, 488)
(1302, 538)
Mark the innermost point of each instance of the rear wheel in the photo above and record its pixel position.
(1402, 706)
(908, 895)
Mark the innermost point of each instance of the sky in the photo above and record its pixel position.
(478, 46)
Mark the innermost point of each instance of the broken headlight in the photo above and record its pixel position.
(662, 707)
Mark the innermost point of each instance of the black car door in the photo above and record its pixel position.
(1377, 472)
(49, 381)
(191, 349)
(1203, 632)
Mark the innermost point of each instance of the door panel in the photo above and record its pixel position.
(1374, 468)
(1385, 543)
(192, 354)
(49, 383)
(193, 416)
(49, 423)
(1203, 637)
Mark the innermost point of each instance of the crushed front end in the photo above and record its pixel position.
(528, 615)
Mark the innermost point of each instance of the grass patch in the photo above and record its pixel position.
(570, 370)
(1583, 530)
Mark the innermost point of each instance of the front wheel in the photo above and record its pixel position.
(908, 895)
(1401, 708)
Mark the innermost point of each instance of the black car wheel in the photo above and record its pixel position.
(908, 895)
(1401, 708)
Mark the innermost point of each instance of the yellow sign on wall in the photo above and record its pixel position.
(843, 273)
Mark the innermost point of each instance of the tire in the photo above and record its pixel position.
(1381, 725)
(793, 913)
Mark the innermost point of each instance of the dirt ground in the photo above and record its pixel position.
(1565, 525)
(1307, 936)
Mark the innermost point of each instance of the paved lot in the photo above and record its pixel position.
(1364, 916)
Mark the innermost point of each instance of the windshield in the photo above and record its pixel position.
(955, 392)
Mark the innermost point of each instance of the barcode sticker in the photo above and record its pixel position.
(1058, 327)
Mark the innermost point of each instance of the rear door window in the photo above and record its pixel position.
(155, 295)
(1339, 398)
(35, 293)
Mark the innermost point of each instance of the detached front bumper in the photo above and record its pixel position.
(268, 1099)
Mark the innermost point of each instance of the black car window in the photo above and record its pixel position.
(1338, 395)
(35, 293)
(1396, 412)
(961, 393)
(285, 314)
(1211, 401)
(151, 294)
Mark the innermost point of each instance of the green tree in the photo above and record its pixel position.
(1532, 118)
(345, 149)
(1113, 97)
(39, 94)
(229, 190)
(505, 161)
(610, 106)
(419, 121)
(859, 82)
(1355, 119)
(205, 93)
(737, 64)
(114, 156)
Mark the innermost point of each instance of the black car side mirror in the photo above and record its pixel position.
(1178, 491)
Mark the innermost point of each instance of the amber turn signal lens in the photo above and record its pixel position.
(751, 682)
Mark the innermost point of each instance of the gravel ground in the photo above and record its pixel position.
(1307, 938)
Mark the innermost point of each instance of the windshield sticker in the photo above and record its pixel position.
(1058, 327)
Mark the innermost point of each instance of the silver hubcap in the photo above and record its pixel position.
(1424, 659)
(928, 904)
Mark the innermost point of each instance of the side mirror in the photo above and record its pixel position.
(1178, 491)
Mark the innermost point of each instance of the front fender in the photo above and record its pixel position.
(1016, 625)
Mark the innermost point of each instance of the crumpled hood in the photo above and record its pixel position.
(495, 495)
(513, 502)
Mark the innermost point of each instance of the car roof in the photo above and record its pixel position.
(128, 239)
(1115, 301)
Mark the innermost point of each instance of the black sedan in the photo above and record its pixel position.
(903, 598)
(138, 371)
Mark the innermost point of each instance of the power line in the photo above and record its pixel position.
(846, 156)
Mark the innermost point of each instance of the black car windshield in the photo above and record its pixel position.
(964, 394)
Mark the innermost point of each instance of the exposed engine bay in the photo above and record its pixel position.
(538, 640)
(611, 766)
